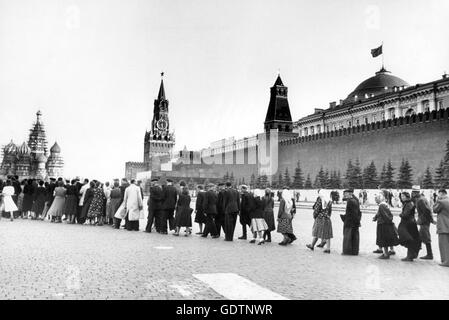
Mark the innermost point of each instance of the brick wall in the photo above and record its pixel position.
(420, 139)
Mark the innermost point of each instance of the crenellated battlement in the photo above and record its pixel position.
(426, 117)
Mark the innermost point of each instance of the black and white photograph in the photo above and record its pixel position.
(200, 151)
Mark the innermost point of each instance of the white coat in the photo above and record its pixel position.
(9, 205)
(133, 202)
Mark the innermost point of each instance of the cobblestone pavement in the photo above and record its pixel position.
(42, 260)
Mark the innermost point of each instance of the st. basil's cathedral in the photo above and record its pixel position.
(31, 159)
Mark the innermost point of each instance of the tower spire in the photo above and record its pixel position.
(161, 95)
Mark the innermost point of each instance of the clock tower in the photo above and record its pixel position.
(159, 141)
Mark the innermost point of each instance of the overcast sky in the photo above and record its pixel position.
(93, 67)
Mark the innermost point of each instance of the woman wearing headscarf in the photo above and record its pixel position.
(285, 217)
(386, 233)
(268, 205)
(408, 229)
(258, 224)
(322, 228)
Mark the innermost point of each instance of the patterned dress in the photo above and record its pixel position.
(284, 220)
(97, 206)
(322, 228)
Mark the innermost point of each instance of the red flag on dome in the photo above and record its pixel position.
(376, 52)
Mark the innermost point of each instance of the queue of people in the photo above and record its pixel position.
(217, 208)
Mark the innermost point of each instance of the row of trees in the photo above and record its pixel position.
(360, 178)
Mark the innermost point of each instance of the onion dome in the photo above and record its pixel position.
(24, 149)
(55, 148)
(41, 158)
(10, 148)
(382, 82)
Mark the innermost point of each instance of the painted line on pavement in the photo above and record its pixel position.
(235, 287)
(163, 248)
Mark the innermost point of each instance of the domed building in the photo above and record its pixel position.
(55, 163)
(381, 97)
(383, 82)
(31, 159)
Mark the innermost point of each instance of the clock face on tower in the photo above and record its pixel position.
(162, 124)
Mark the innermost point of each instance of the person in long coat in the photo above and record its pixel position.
(120, 214)
(170, 196)
(408, 229)
(27, 204)
(441, 208)
(154, 207)
(20, 197)
(351, 224)
(116, 200)
(107, 210)
(88, 197)
(8, 202)
(200, 217)
(258, 224)
(210, 209)
(385, 234)
(133, 205)
(57, 207)
(183, 216)
(81, 188)
(96, 208)
(71, 202)
(231, 200)
(425, 218)
(268, 209)
(247, 204)
(322, 227)
(220, 218)
(39, 196)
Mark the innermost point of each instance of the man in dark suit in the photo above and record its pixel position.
(351, 224)
(220, 218)
(425, 218)
(170, 197)
(154, 206)
(231, 210)
(210, 209)
(441, 208)
(247, 205)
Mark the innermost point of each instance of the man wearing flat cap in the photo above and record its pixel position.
(425, 218)
(351, 224)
